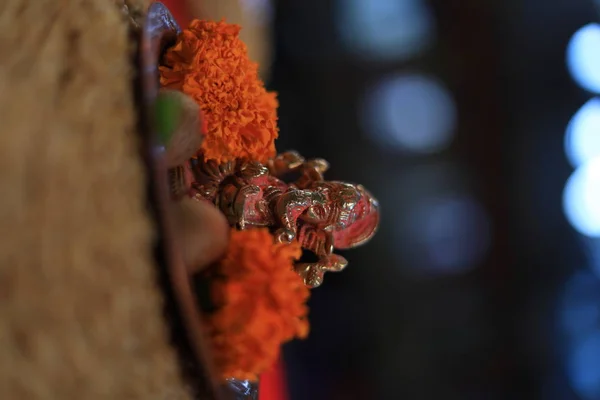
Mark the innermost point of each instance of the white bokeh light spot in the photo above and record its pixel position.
(385, 29)
(582, 140)
(413, 113)
(581, 199)
(583, 57)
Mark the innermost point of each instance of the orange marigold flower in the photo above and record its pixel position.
(210, 63)
(261, 304)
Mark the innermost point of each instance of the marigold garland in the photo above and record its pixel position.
(210, 64)
(260, 304)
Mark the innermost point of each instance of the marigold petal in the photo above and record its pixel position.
(262, 303)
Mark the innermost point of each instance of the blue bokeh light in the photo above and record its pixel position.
(582, 140)
(581, 199)
(583, 57)
(579, 313)
(584, 366)
(445, 234)
(592, 247)
(385, 29)
(412, 113)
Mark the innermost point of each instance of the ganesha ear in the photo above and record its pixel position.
(367, 229)
(365, 226)
(358, 233)
(371, 220)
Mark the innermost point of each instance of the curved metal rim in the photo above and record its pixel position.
(158, 31)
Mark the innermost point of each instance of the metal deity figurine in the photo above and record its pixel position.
(321, 215)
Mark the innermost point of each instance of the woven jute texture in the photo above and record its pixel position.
(80, 310)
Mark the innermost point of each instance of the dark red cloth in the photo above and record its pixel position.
(273, 384)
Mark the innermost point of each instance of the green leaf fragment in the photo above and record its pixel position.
(168, 110)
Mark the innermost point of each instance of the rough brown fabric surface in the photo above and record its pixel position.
(80, 313)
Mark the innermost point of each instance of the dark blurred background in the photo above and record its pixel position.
(475, 124)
